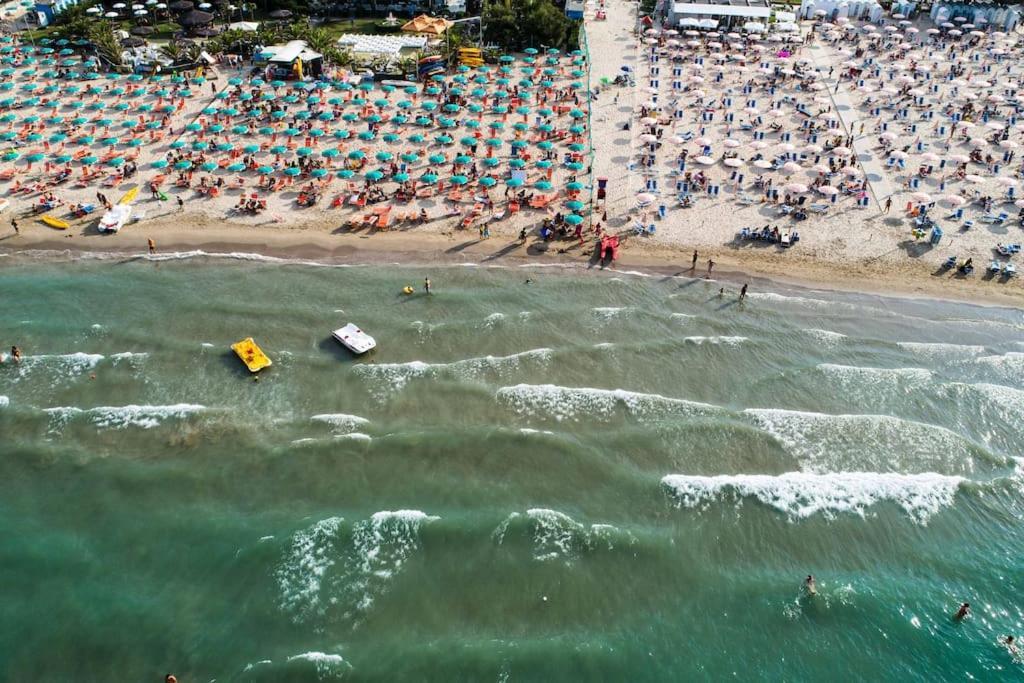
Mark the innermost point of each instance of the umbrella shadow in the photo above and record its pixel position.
(915, 248)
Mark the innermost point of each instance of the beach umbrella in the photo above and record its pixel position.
(356, 154)
(514, 182)
(573, 219)
(329, 153)
(183, 165)
(278, 149)
(345, 173)
(429, 178)
(463, 159)
(159, 163)
(366, 135)
(416, 138)
(116, 161)
(491, 162)
(208, 166)
(487, 181)
(200, 145)
(575, 186)
(236, 168)
(318, 172)
(374, 176)
(436, 158)
(251, 148)
(517, 163)
(265, 170)
(292, 171)
(304, 151)
(410, 158)
(88, 160)
(341, 134)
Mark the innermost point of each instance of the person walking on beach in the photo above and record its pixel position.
(888, 205)
(963, 612)
(14, 224)
(711, 264)
(743, 291)
(426, 285)
(152, 245)
(181, 202)
(693, 263)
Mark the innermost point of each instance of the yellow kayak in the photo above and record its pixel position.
(55, 222)
(251, 354)
(129, 195)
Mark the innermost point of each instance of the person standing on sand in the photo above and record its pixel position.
(711, 264)
(181, 202)
(693, 263)
(888, 205)
(152, 246)
(14, 224)
(426, 285)
(743, 292)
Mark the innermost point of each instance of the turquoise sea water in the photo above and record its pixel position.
(594, 476)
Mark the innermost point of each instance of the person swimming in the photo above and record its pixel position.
(963, 612)
(809, 584)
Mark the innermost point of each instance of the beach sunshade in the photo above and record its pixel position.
(183, 165)
(292, 171)
(573, 219)
(514, 182)
(264, 170)
(208, 166)
(159, 163)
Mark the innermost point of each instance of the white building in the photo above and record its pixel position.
(714, 13)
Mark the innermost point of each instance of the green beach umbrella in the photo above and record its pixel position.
(208, 166)
(159, 163)
(292, 171)
(183, 165)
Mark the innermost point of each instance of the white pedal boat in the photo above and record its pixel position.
(354, 339)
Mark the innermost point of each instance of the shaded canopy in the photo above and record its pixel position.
(142, 30)
(180, 6)
(280, 14)
(195, 18)
(426, 24)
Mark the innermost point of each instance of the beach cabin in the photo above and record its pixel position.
(717, 13)
(294, 59)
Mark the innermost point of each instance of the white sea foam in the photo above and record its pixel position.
(715, 340)
(529, 430)
(121, 417)
(340, 423)
(827, 337)
(555, 535)
(61, 366)
(382, 544)
(1008, 367)
(937, 352)
(355, 436)
(494, 319)
(608, 312)
(4, 401)
(129, 355)
(327, 665)
(682, 318)
(393, 377)
(300, 576)
(826, 443)
(857, 376)
(574, 403)
(238, 256)
(800, 495)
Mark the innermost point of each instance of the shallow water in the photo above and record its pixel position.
(594, 476)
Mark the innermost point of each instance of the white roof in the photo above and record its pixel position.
(720, 10)
(244, 26)
(387, 45)
(289, 52)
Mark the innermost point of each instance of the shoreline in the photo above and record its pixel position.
(197, 232)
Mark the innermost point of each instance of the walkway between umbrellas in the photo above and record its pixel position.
(874, 169)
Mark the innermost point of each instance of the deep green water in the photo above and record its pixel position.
(590, 477)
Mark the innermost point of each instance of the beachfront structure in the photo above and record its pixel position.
(996, 16)
(362, 45)
(47, 10)
(714, 13)
(868, 10)
(294, 58)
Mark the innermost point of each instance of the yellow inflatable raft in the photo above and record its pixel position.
(129, 196)
(55, 222)
(251, 354)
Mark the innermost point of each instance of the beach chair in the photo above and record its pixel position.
(819, 208)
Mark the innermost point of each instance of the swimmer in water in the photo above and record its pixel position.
(963, 612)
(1011, 645)
(812, 589)
(426, 285)
(15, 354)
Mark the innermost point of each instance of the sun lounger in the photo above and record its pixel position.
(819, 208)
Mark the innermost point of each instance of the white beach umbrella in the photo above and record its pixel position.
(959, 158)
(1019, 203)
(759, 144)
(706, 161)
(921, 197)
(762, 163)
(645, 198)
(1009, 144)
(974, 178)
(797, 188)
(952, 200)
(787, 147)
(814, 149)
(898, 155)
(819, 168)
(852, 171)
(842, 152)
(729, 142)
(703, 142)
(828, 190)
(734, 162)
(931, 156)
(790, 167)
(648, 138)
(1006, 182)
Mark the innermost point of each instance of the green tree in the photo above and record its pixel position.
(515, 24)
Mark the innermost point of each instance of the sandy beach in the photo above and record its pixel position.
(850, 242)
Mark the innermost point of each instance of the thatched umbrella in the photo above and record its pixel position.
(280, 14)
(142, 30)
(180, 6)
(194, 18)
